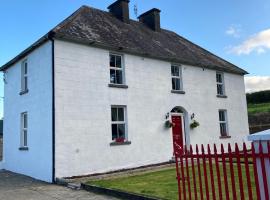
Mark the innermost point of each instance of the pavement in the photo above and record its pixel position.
(18, 187)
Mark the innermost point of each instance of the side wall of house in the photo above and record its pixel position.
(83, 109)
(37, 160)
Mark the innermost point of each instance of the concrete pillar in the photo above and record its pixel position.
(262, 137)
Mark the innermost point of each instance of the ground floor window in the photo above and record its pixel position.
(24, 125)
(223, 123)
(118, 120)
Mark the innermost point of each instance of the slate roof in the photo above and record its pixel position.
(99, 28)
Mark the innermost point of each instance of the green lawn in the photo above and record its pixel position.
(163, 183)
(258, 108)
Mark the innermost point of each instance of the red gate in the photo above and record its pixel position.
(225, 174)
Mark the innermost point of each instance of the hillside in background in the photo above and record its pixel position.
(258, 111)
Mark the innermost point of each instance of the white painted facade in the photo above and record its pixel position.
(83, 109)
(37, 160)
(83, 103)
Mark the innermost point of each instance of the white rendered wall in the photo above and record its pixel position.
(83, 108)
(37, 161)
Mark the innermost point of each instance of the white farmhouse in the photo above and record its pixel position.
(95, 93)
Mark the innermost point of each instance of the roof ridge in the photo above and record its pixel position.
(68, 19)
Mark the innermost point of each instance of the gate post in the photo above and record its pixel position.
(261, 142)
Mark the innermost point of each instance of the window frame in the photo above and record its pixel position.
(225, 121)
(24, 76)
(24, 131)
(222, 84)
(124, 122)
(121, 69)
(179, 77)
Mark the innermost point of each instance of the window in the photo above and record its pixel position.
(116, 69)
(220, 84)
(176, 72)
(223, 123)
(118, 123)
(24, 124)
(24, 79)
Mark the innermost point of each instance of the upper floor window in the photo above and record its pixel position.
(24, 76)
(223, 123)
(118, 118)
(116, 69)
(24, 129)
(176, 73)
(220, 84)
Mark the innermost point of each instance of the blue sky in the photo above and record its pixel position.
(238, 31)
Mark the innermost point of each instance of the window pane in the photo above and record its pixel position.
(25, 68)
(25, 138)
(121, 114)
(119, 78)
(172, 70)
(222, 116)
(114, 114)
(25, 120)
(112, 61)
(223, 129)
(118, 61)
(174, 83)
(114, 131)
(121, 130)
(220, 89)
(112, 76)
(177, 84)
(219, 78)
(175, 71)
(25, 83)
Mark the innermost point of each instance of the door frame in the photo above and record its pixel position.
(183, 125)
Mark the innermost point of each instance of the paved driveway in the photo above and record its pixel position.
(18, 187)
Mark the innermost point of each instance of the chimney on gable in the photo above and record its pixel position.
(151, 18)
(120, 9)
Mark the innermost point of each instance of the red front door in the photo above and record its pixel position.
(177, 131)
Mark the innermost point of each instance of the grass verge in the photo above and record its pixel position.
(163, 184)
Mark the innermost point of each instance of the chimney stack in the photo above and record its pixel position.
(120, 9)
(151, 18)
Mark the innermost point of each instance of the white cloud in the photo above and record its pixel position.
(258, 43)
(257, 83)
(234, 31)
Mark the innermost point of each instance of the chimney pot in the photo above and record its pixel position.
(151, 18)
(120, 9)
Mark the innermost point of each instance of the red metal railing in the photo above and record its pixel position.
(224, 174)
